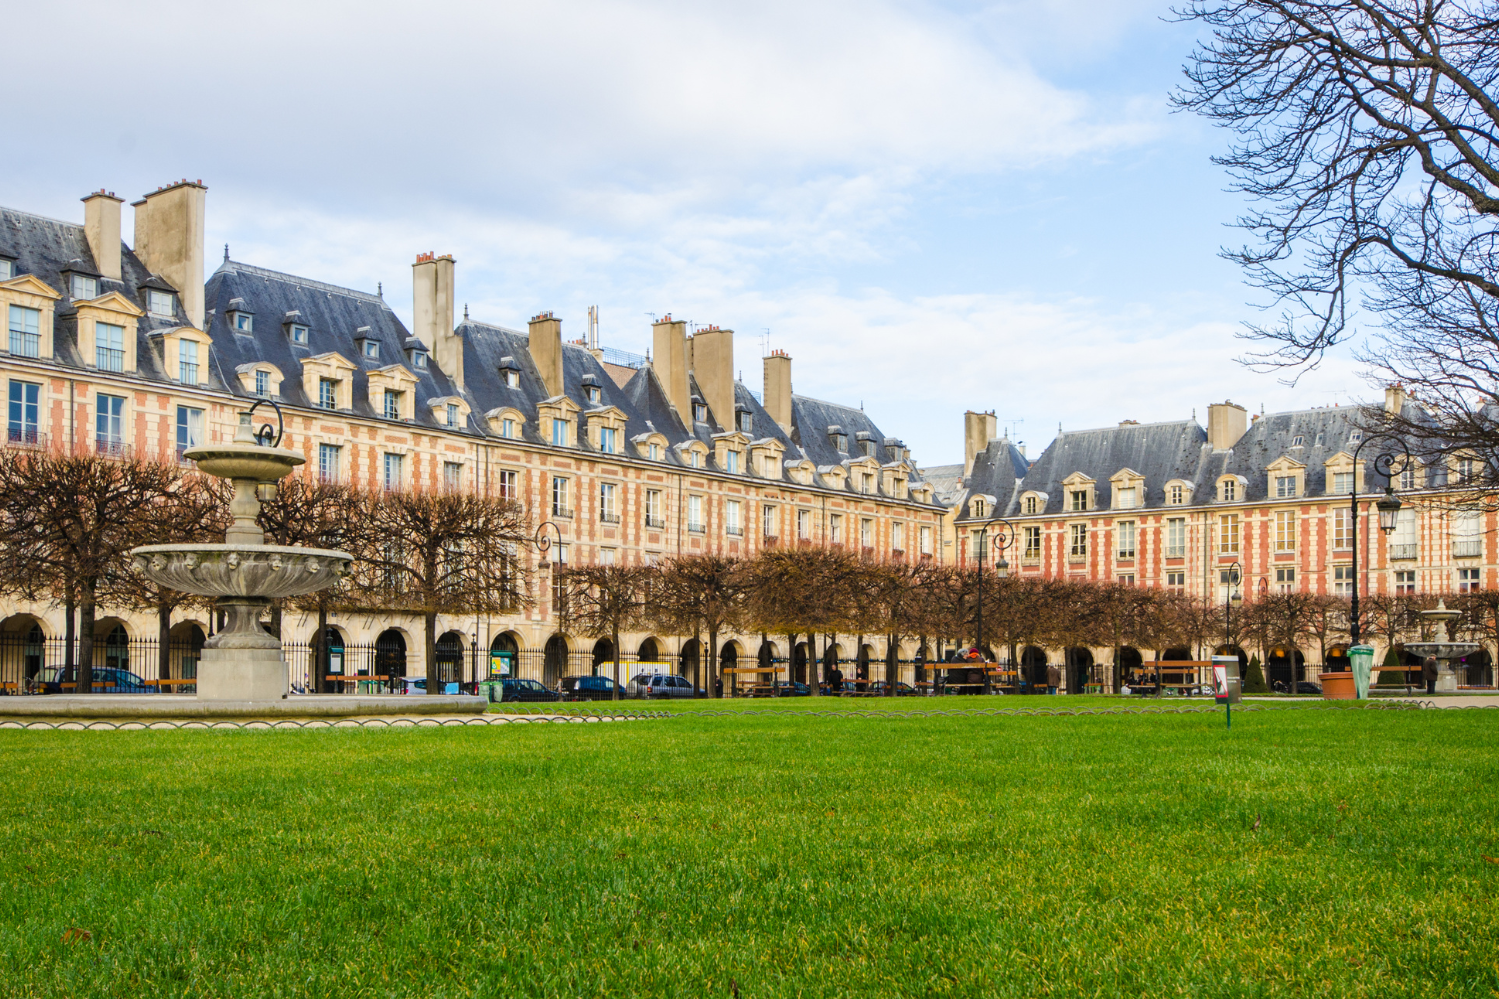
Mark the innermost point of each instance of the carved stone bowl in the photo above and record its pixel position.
(235, 460)
(268, 571)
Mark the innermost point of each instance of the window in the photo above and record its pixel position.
(1407, 477)
(731, 461)
(1467, 580)
(1465, 470)
(866, 533)
(1342, 528)
(1356, 436)
(1298, 441)
(1403, 541)
(1228, 582)
(559, 432)
(559, 497)
(840, 441)
(1466, 531)
(1228, 534)
(978, 508)
(7, 269)
(328, 462)
(653, 451)
(768, 521)
(1176, 537)
(1032, 505)
(25, 412)
(25, 331)
(1230, 490)
(161, 303)
(327, 393)
(747, 423)
(866, 448)
(607, 436)
(1285, 530)
(244, 323)
(608, 513)
(804, 524)
(1342, 483)
(395, 467)
(1079, 546)
(1176, 495)
(1285, 579)
(898, 536)
(299, 335)
(1285, 486)
(1342, 580)
(392, 404)
(372, 349)
(835, 528)
(452, 476)
(512, 379)
(1128, 498)
(1032, 542)
(731, 517)
(1405, 581)
(1126, 534)
(699, 413)
(189, 428)
(695, 514)
(509, 487)
(262, 382)
(1177, 579)
(926, 540)
(454, 418)
(85, 287)
(593, 393)
(695, 459)
(1127, 578)
(653, 516)
(1321, 439)
(187, 362)
(109, 347)
(109, 423)
(1079, 499)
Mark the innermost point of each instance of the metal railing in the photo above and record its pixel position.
(656, 522)
(1402, 552)
(1465, 549)
(608, 518)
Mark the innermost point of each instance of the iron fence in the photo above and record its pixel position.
(27, 661)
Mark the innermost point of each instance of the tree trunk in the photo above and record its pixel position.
(85, 637)
(790, 661)
(316, 681)
(69, 631)
(429, 640)
(614, 691)
(712, 670)
(812, 664)
(163, 641)
(891, 671)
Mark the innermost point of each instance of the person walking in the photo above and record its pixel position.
(1429, 674)
(1053, 678)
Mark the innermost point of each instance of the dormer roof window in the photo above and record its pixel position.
(1298, 441)
(838, 437)
(241, 319)
(699, 410)
(7, 267)
(745, 420)
(509, 372)
(369, 347)
(161, 298)
(591, 389)
(83, 281)
(299, 334)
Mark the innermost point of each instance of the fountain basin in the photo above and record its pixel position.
(263, 571)
(244, 461)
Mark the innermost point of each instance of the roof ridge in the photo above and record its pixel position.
(235, 266)
(44, 218)
(491, 326)
(1129, 426)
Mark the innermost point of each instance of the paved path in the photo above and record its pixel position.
(368, 721)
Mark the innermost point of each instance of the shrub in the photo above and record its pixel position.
(1390, 672)
(1254, 679)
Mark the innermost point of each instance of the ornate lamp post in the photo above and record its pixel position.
(1004, 536)
(1231, 599)
(1388, 507)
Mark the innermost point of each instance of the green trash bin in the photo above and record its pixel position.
(490, 690)
(1362, 658)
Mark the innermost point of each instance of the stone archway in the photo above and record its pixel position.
(1079, 668)
(448, 659)
(1033, 665)
(23, 649)
(603, 657)
(554, 661)
(690, 662)
(728, 658)
(390, 655)
(650, 651)
(504, 655)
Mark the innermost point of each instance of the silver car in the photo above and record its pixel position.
(658, 685)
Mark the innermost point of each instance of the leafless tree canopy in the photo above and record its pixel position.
(1368, 136)
(606, 600)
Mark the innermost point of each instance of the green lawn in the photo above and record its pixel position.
(782, 852)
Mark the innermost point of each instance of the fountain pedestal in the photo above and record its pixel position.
(1444, 650)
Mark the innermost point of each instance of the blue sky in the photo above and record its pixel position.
(932, 207)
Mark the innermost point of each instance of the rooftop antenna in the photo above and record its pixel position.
(1012, 425)
(765, 342)
(652, 315)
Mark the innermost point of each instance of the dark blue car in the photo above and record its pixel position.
(107, 680)
(589, 688)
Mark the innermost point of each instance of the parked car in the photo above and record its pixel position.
(113, 680)
(589, 688)
(418, 685)
(516, 689)
(660, 685)
(792, 688)
(902, 689)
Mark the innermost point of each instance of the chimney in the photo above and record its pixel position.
(778, 388)
(546, 350)
(1394, 399)
(978, 430)
(669, 360)
(101, 226)
(1227, 422)
(432, 296)
(169, 240)
(712, 353)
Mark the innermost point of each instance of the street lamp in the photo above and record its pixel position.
(1004, 536)
(1388, 508)
(1233, 598)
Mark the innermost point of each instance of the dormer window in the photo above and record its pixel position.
(840, 441)
(392, 404)
(1285, 486)
(242, 322)
(1321, 438)
(453, 417)
(699, 412)
(419, 359)
(1032, 504)
(694, 459)
(7, 268)
(262, 382)
(161, 303)
(746, 421)
(299, 334)
(1356, 436)
(978, 508)
(512, 379)
(867, 447)
(1079, 499)
(507, 427)
(84, 287)
(1230, 490)
(607, 440)
(593, 393)
(327, 393)
(1298, 441)
(371, 350)
(1176, 495)
(731, 461)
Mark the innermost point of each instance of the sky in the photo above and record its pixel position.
(933, 207)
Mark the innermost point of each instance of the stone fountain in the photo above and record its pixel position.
(1443, 649)
(242, 671)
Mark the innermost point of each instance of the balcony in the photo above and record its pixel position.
(1402, 552)
(1176, 551)
(608, 518)
(734, 529)
(696, 529)
(655, 522)
(1077, 556)
(562, 512)
(1466, 549)
(112, 448)
(21, 435)
(109, 360)
(1126, 553)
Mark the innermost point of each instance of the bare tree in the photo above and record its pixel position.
(701, 593)
(606, 600)
(1368, 133)
(441, 553)
(800, 590)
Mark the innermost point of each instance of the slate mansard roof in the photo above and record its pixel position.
(48, 249)
(1173, 451)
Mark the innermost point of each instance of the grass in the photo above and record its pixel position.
(776, 852)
